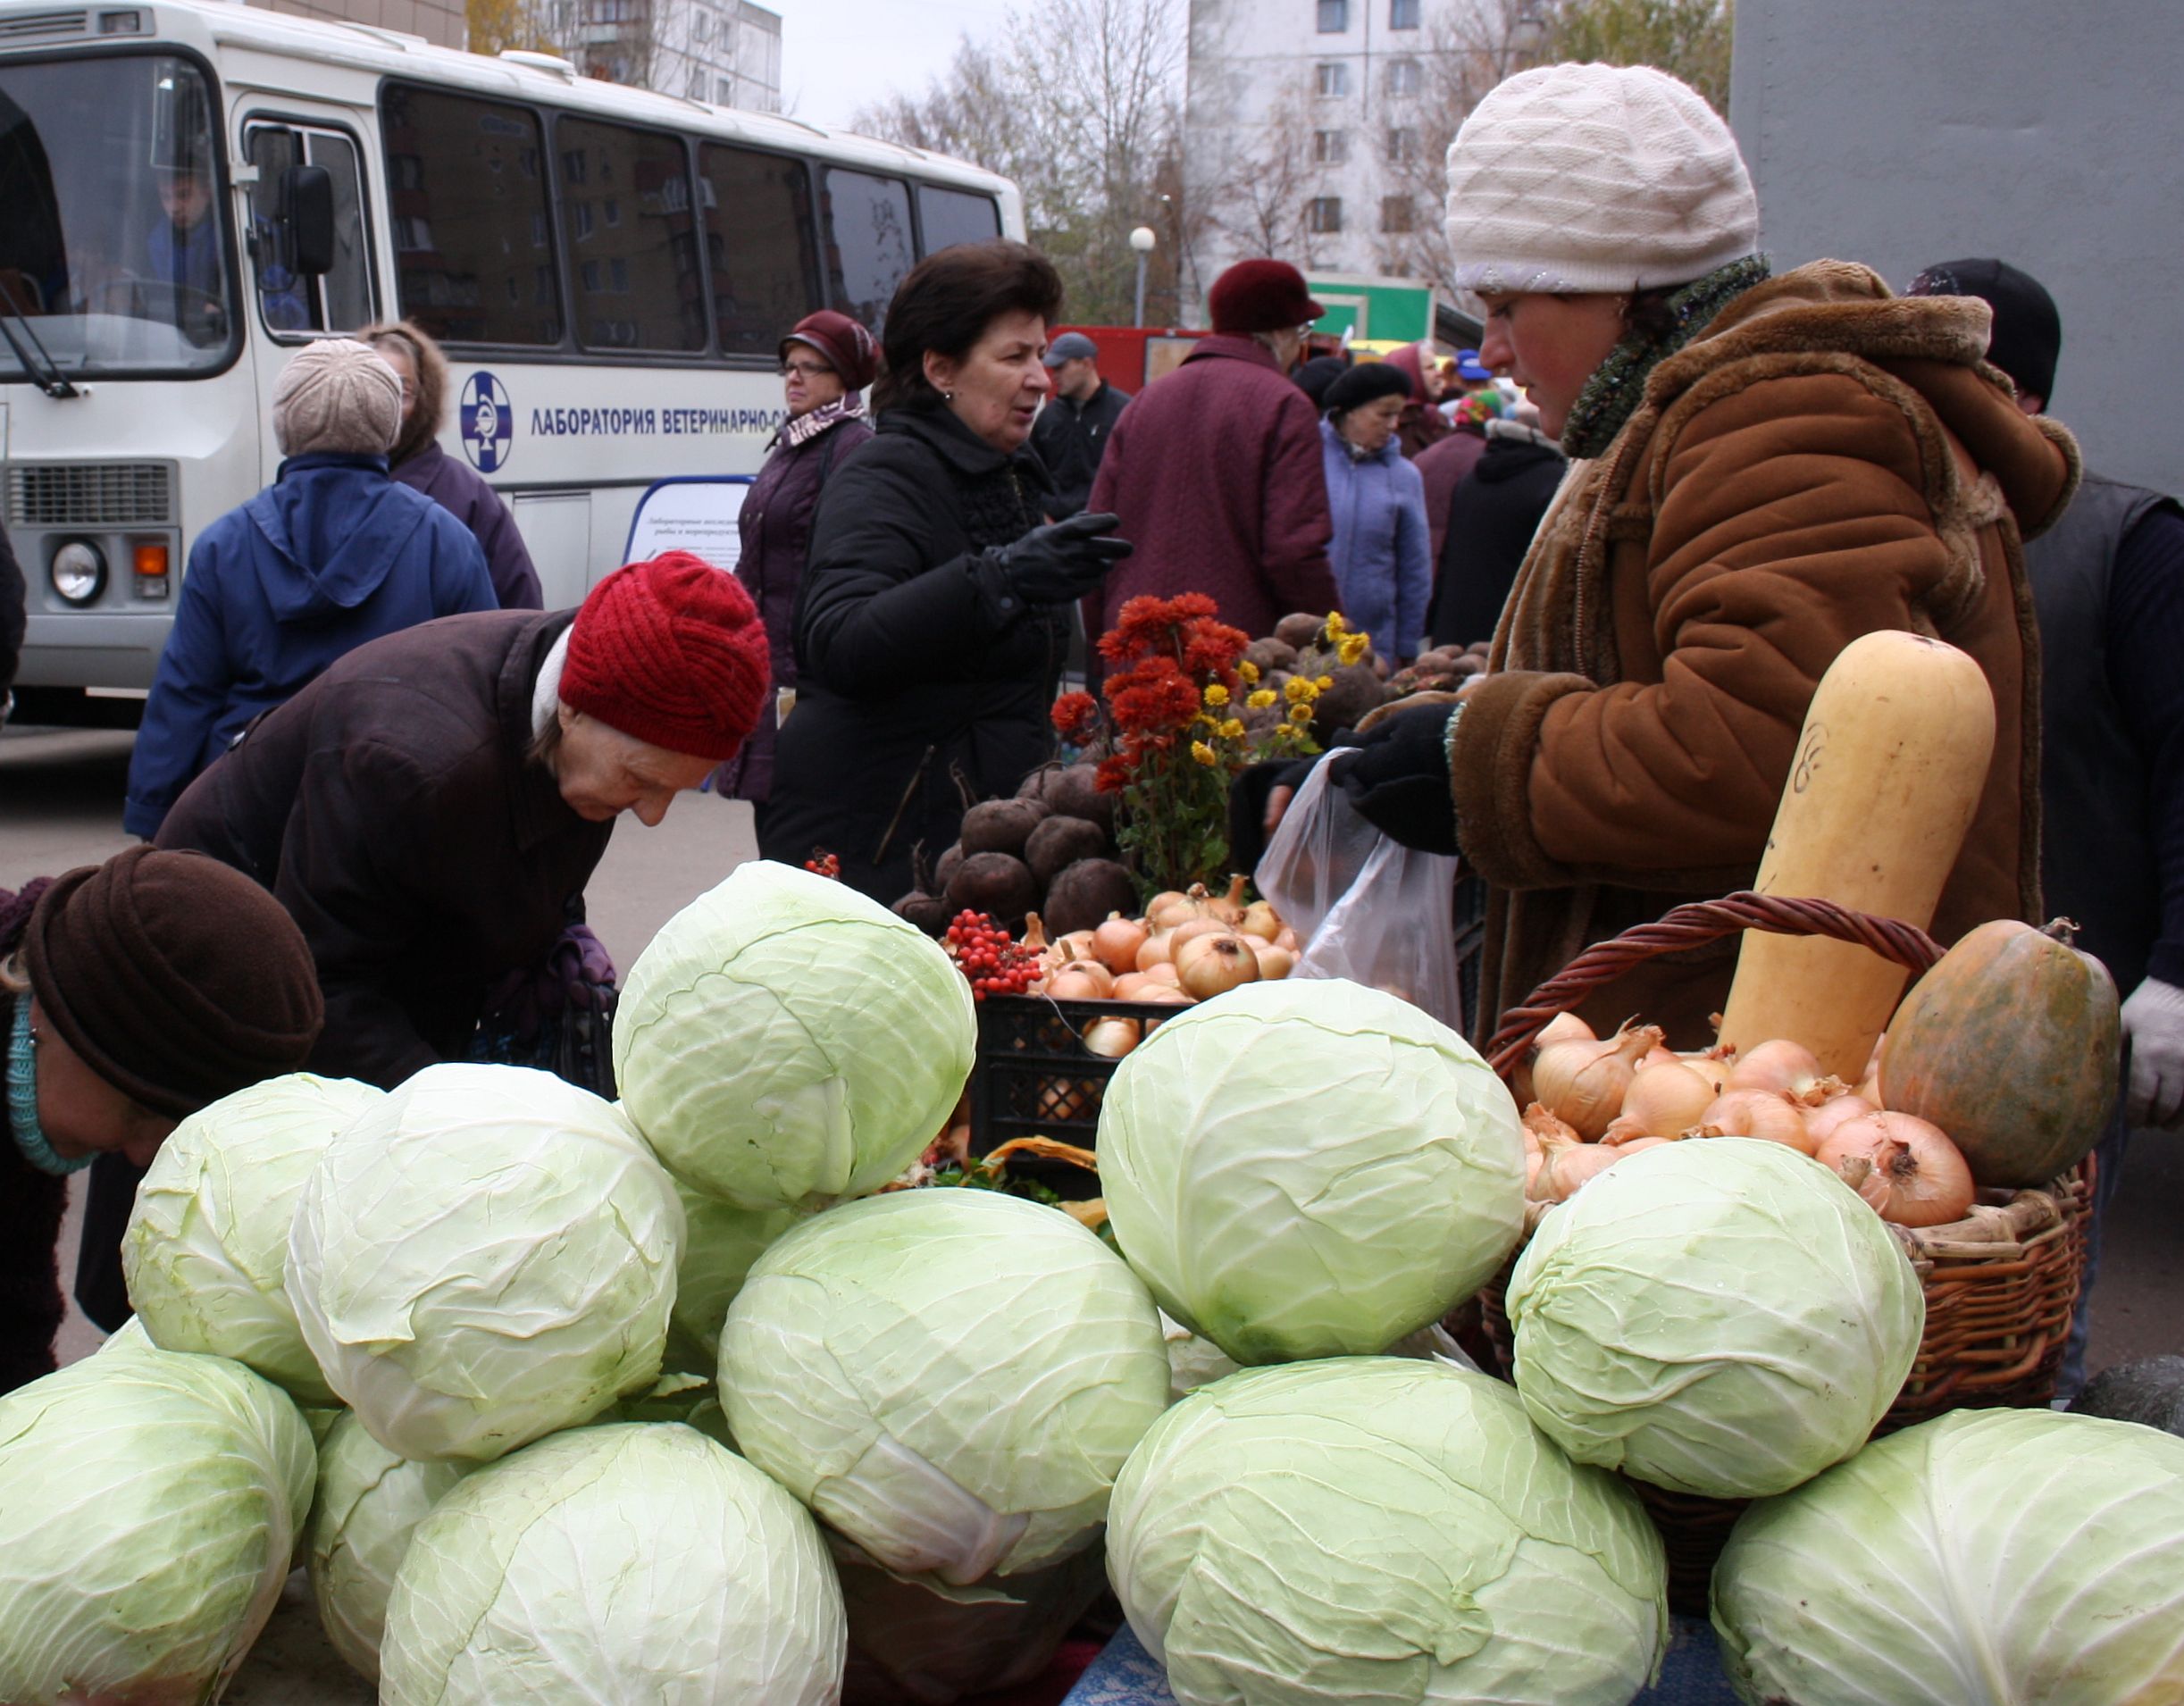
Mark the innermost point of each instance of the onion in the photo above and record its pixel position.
(1789, 1067)
(1128, 986)
(1663, 1100)
(1169, 909)
(1164, 995)
(1564, 1027)
(1714, 1064)
(1113, 1038)
(1164, 975)
(1767, 1115)
(1116, 942)
(1212, 966)
(1906, 1166)
(1261, 920)
(1226, 908)
(1095, 970)
(1584, 1083)
(1821, 1122)
(1159, 949)
(1564, 1172)
(1076, 945)
(1191, 931)
(1287, 938)
(1074, 986)
(1661, 1055)
(1273, 962)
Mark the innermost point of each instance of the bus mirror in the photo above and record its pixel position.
(307, 216)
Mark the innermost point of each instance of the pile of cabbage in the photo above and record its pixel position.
(669, 1399)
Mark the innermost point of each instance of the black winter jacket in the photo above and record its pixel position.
(922, 682)
(1070, 439)
(1492, 517)
(14, 595)
(31, 1204)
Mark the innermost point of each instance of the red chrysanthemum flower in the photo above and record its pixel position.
(1074, 715)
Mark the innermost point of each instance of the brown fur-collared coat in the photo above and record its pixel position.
(1822, 460)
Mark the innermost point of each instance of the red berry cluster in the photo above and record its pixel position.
(995, 962)
(827, 864)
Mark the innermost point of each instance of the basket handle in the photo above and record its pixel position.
(1694, 926)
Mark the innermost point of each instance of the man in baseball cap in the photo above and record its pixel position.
(1071, 433)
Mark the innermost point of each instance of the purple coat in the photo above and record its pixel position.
(1214, 470)
(462, 490)
(774, 526)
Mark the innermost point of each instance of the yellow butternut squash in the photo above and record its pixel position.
(1888, 773)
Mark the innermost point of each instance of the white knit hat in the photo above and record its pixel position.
(336, 396)
(1580, 178)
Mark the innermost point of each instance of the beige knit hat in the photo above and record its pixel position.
(336, 396)
(1581, 178)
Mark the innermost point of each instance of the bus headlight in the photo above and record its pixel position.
(79, 572)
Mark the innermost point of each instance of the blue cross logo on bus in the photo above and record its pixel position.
(486, 422)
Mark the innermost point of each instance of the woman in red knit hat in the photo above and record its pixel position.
(429, 809)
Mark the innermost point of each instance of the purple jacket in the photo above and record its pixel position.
(774, 526)
(462, 490)
(1381, 563)
(1214, 471)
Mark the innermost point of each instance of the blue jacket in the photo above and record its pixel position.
(333, 554)
(1382, 553)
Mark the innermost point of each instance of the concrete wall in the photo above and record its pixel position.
(2045, 133)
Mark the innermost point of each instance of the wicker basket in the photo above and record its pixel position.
(2000, 1284)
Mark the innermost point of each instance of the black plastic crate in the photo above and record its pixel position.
(1035, 1078)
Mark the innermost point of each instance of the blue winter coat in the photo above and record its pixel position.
(1381, 553)
(333, 554)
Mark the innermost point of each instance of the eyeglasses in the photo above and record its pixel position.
(805, 370)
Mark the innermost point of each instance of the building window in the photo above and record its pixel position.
(1403, 77)
(411, 234)
(1323, 215)
(1335, 78)
(1398, 217)
(1334, 17)
(1402, 14)
(583, 211)
(612, 207)
(1403, 144)
(1330, 147)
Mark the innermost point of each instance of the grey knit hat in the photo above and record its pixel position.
(336, 396)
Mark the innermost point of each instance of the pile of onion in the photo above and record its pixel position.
(1188, 947)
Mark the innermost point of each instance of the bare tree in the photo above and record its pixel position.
(1259, 195)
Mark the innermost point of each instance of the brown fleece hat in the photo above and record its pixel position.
(178, 980)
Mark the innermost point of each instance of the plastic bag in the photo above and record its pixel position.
(1364, 907)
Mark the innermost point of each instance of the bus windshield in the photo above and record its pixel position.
(113, 252)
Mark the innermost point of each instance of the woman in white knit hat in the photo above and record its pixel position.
(333, 554)
(1764, 468)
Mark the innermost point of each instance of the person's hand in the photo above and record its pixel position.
(1060, 563)
(1277, 807)
(1397, 776)
(2154, 1023)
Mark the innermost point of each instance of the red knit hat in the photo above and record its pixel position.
(1261, 295)
(848, 347)
(669, 651)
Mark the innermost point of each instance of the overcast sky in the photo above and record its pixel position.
(837, 55)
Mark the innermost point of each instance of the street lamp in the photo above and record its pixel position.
(1141, 239)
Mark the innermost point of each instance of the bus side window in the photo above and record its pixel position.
(950, 216)
(868, 241)
(345, 291)
(466, 197)
(291, 299)
(625, 206)
(758, 238)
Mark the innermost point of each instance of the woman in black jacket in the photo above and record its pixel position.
(933, 615)
(1493, 514)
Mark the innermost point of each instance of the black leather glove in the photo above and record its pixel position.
(1061, 562)
(1397, 776)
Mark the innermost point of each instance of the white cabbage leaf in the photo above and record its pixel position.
(950, 1377)
(207, 1245)
(1377, 1529)
(719, 1244)
(1987, 1558)
(631, 1562)
(785, 1041)
(1722, 1317)
(1309, 1168)
(149, 1504)
(487, 1255)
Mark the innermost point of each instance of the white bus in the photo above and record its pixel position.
(189, 190)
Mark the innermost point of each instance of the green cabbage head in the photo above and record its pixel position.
(950, 1377)
(1988, 1557)
(1384, 1530)
(369, 1502)
(631, 1562)
(149, 1503)
(1309, 1168)
(487, 1255)
(784, 1041)
(719, 1246)
(207, 1245)
(1722, 1316)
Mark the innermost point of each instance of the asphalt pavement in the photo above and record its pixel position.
(60, 806)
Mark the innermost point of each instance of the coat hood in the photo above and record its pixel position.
(1512, 448)
(1936, 345)
(1331, 435)
(327, 532)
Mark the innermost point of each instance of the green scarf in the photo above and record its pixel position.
(1612, 393)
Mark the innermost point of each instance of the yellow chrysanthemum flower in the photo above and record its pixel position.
(1300, 713)
(1262, 698)
(1324, 682)
(1247, 671)
(1300, 689)
(1336, 626)
(1351, 648)
(1203, 753)
(1231, 730)
(1216, 695)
